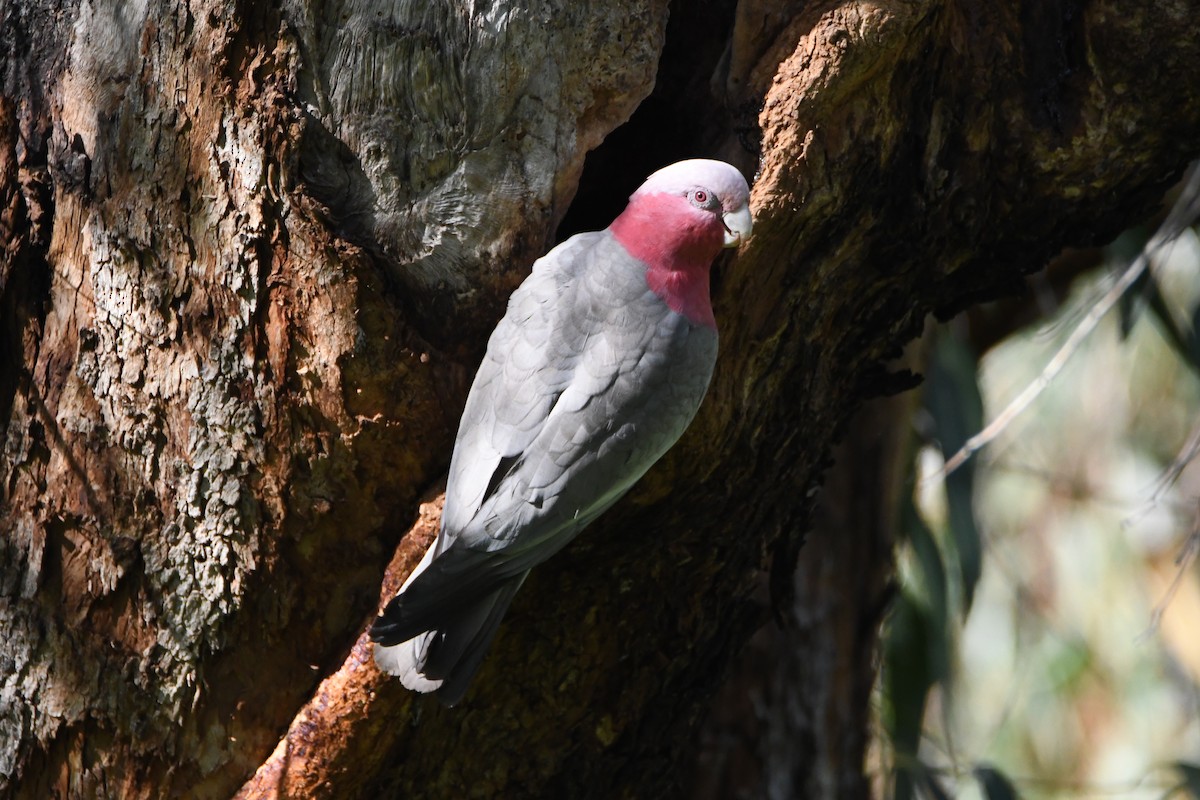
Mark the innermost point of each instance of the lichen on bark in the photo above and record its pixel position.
(227, 399)
(260, 246)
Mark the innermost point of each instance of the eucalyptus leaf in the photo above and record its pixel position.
(931, 786)
(995, 785)
(908, 676)
(1182, 339)
(916, 653)
(955, 403)
(1124, 249)
(1190, 773)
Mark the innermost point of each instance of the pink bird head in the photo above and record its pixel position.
(677, 222)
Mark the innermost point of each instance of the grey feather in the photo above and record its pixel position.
(587, 381)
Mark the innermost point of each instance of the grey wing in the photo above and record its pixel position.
(628, 403)
(525, 370)
(634, 374)
(587, 381)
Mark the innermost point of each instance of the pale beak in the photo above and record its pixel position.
(738, 224)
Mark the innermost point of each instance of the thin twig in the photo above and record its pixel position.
(1185, 558)
(1169, 477)
(1183, 214)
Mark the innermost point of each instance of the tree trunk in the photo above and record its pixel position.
(793, 720)
(251, 256)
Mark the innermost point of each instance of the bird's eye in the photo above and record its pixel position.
(701, 198)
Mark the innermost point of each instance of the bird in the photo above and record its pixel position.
(599, 364)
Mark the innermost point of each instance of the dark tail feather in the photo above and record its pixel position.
(450, 588)
(462, 641)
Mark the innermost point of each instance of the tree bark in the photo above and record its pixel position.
(251, 256)
(794, 718)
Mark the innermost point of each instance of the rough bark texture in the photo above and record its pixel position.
(793, 719)
(251, 253)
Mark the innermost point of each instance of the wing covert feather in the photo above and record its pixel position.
(521, 376)
(633, 390)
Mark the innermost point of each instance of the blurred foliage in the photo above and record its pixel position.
(955, 406)
(1190, 785)
(1182, 336)
(994, 784)
(1045, 642)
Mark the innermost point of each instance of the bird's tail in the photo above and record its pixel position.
(444, 656)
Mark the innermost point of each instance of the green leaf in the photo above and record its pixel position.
(918, 779)
(1145, 293)
(916, 653)
(994, 784)
(908, 673)
(1068, 661)
(954, 401)
(908, 676)
(1123, 250)
(903, 788)
(1190, 773)
(932, 786)
(1182, 340)
(1193, 354)
(933, 571)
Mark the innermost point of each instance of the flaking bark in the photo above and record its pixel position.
(251, 254)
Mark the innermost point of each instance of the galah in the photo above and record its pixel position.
(597, 367)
